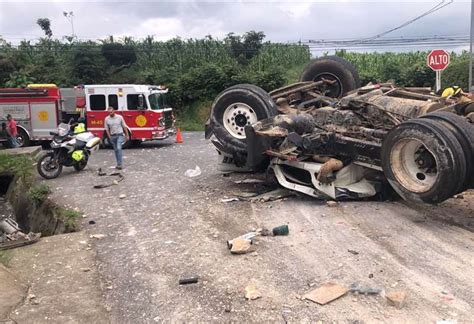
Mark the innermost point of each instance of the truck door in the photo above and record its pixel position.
(138, 117)
(96, 112)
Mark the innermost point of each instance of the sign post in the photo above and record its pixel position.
(438, 60)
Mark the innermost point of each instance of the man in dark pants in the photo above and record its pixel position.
(117, 132)
(12, 132)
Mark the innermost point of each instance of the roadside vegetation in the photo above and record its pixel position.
(39, 192)
(5, 257)
(196, 70)
(17, 165)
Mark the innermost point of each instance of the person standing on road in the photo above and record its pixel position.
(12, 132)
(117, 133)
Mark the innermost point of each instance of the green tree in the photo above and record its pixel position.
(45, 25)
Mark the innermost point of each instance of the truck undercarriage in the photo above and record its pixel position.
(329, 138)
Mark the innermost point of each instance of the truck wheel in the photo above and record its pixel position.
(23, 138)
(464, 133)
(335, 69)
(48, 167)
(235, 108)
(423, 161)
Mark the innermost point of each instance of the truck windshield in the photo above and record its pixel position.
(157, 101)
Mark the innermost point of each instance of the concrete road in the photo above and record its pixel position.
(170, 226)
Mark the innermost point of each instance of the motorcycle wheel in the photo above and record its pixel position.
(79, 166)
(48, 168)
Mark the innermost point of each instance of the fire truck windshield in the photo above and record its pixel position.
(157, 101)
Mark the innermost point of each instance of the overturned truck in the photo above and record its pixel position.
(330, 138)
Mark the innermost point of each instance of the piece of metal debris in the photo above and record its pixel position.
(326, 293)
(248, 181)
(188, 280)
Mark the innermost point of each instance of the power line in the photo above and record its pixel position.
(439, 6)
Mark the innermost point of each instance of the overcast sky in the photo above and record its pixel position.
(280, 20)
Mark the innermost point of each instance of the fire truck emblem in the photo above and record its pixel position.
(140, 120)
(43, 116)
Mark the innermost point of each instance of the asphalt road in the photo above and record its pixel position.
(170, 226)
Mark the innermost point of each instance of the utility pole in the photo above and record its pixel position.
(70, 17)
(470, 48)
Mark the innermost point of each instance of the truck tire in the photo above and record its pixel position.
(23, 138)
(335, 69)
(464, 133)
(235, 108)
(423, 161)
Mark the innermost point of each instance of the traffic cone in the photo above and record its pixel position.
(179, 137)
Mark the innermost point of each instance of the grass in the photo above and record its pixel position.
(69, 217)
(194, 116)
(38, 193)
(5, 257)
(18, 165)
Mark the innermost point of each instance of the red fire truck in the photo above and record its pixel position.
(39, 108)
(143, 108)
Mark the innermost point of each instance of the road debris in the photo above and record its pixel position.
(273, 195)
(122, 196)
(247, 236)
(191, 173)
(240, 246)
(252, 292)
(396, 298)
(364, 290)
(326, 293)
(188, 280)
(353, 251)
(98, 236)
(281, 230)
(249, 181)
(114, 182)
(11, 235)
(331, 203)
(226, 200)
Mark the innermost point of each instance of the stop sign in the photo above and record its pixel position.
(438, 60)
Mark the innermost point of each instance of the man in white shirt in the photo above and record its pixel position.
(117, 132)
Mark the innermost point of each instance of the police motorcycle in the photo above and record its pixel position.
(69, 148)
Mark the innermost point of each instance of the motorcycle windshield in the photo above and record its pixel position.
(63, 129)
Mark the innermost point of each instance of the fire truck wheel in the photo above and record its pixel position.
(23, 138)
(335, 69)
(233, 110)
(464, 132)
(48, 167)
(423, 161)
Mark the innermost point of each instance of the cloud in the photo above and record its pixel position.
(280, 20)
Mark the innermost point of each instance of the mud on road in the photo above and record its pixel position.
(169, 226)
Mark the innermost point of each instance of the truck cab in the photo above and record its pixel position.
(143, 107)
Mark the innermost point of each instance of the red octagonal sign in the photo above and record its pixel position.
(438, 60)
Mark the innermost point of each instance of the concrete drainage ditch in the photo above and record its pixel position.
(29, 206)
